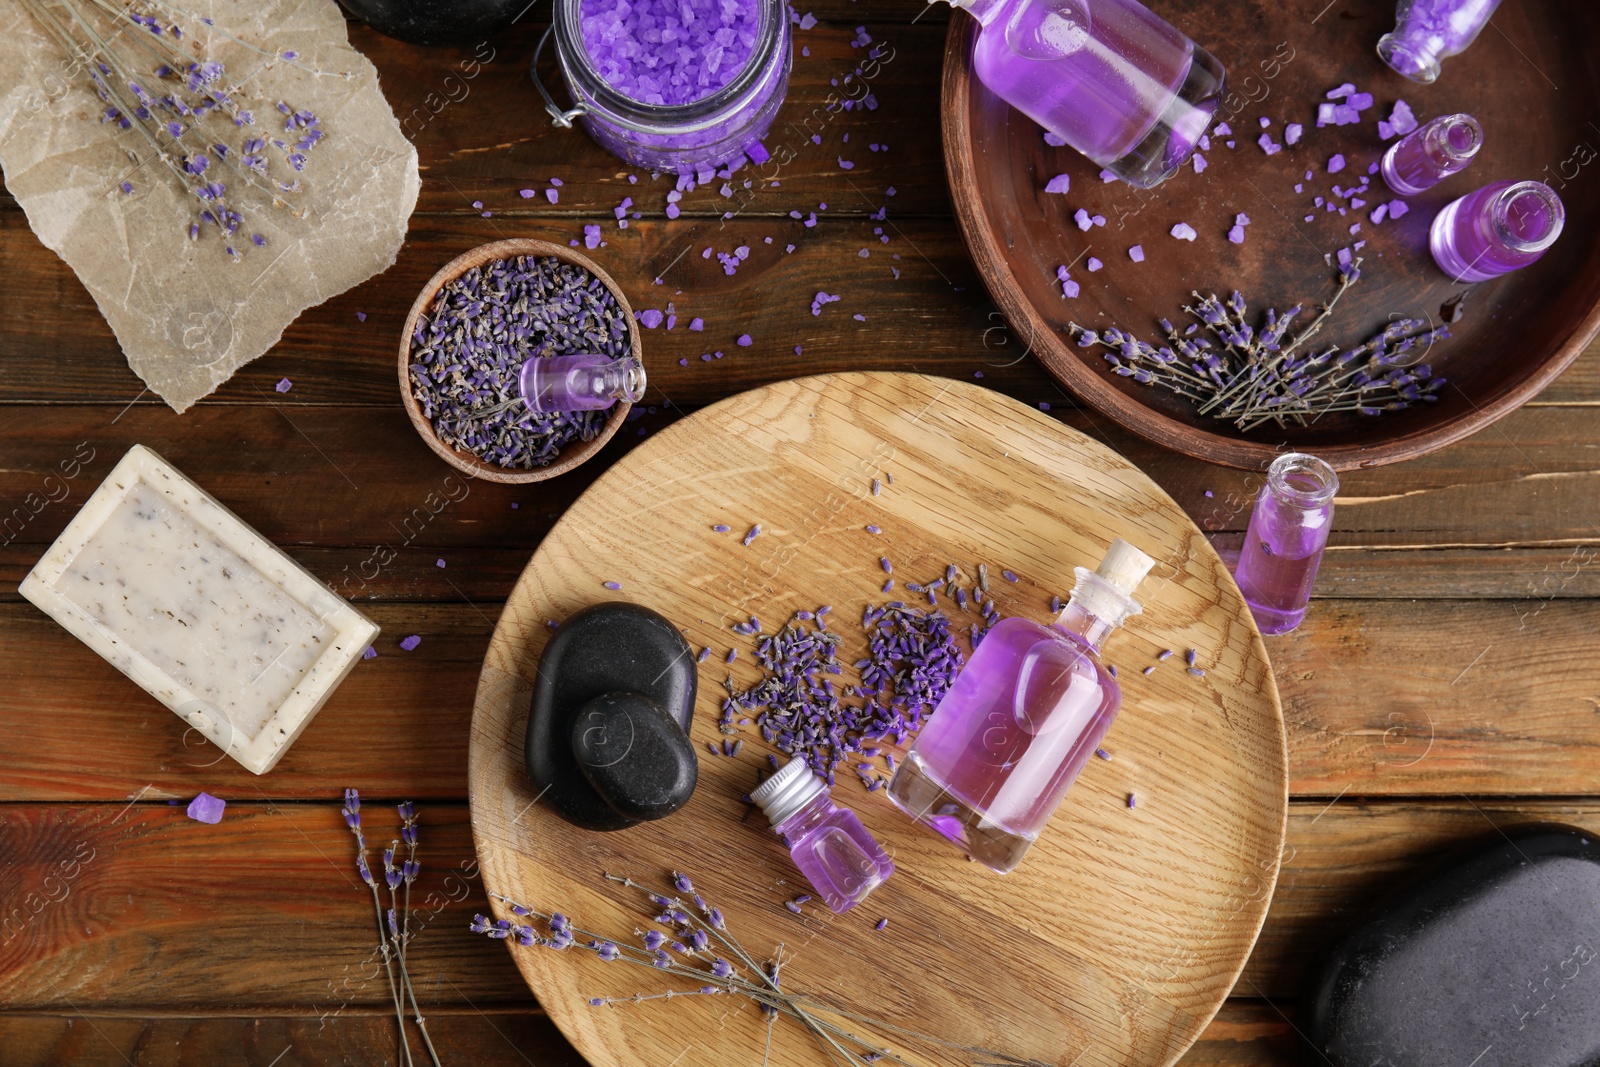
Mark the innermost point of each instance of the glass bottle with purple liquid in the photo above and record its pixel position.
(1110, 77)
(580, 381)
(1495, 230)
(1425, 157)
(828, 843)
(1283, 545)
(1014, 731)
(1427, 31)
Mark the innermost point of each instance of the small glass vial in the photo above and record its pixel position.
(1427, 31)
(1496, 229)
(1425, 157)
(1021, 721)
(1283, 546)
(829, 844)
(586, 381)
(1110, 77)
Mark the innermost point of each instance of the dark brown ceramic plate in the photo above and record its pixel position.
(1530, 79)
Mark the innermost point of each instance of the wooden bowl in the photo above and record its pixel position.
(1122, 931)
(1519, 332)
(574, 452)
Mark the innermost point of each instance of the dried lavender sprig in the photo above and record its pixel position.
(409, 870)
(767, 993)
(352, 818)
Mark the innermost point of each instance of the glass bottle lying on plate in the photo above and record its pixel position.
(1014, 731)
(1110, 77)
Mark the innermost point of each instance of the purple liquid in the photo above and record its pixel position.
(835, 853)
(1105, 75)
(1428, 31)
(1496, 229)
(1008, 740)
(586, 381)
(1283, 545)
(1425, 157)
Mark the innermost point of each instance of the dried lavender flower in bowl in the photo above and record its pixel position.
(524, 296)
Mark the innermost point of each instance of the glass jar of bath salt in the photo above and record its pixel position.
(672, 85)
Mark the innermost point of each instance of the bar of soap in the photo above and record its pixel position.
(1492, 961)
(205, 614)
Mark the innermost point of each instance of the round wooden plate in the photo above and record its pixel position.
(1528, 79)
(1122, 931)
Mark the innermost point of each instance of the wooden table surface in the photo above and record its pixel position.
(1444, 684)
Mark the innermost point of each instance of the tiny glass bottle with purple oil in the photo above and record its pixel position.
(1283, 546)
(1012, 734)
(1495, 230)
(584, 381)
(1425, 157)
(1427, 31)
(1110, 77)
(828, 843)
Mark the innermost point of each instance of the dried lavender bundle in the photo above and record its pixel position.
(468, 349)
(692, 941)
(1251, 376)
(158, 82)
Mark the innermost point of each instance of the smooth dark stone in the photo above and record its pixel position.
(609, 648)
(635, 755)
(1489, 961)
(436, 21)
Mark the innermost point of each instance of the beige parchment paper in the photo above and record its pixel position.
(186, 314)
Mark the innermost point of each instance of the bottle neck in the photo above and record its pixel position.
(806, 817)
(985, 11)
(1084, 626)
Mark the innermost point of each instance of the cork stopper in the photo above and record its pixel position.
(1124, 566)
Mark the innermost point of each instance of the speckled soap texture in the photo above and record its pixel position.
(209, 617)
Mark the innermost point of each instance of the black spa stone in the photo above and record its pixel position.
(437, 21)
(635, 755)
(613, 650)
(1492, 960)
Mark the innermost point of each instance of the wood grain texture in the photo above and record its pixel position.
(1088, 947)
(1244, 1034)
(1548, 312)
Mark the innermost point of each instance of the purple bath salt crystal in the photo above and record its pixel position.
(1136, 253)
(650, 318)
(1094, 264)
(284, 386)
(1241, 219)
(410, 643)
(1398, 208)
(207, 808)
(1265, 122)
(1105, 175)
(1268, 145)
(1184, 232)
(1402, 118)
(1325, 115)
(1336, 164)
(668, 52)
(1236, 235)
(1059, 184)
(1081, 217)
(552, 196)
(1055, 140)
(1222, 129)
(591, 236)
(1379, 213)
(1199, 163)
(1292, 132)
(1359, 101)
(370, 653)
(528, 194)
(1341, 92)
(744, 341)
(1071, 289)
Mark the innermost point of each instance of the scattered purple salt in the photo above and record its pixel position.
(744, 341)
(1059, 184)
(1221, 129)
(1342, 91)
(1268, 145)
(1199, 163)
(1094, 264)
(284, 385)
(1336, 164)
(1136, 253)
(1105, 175)
(370, 653)
(410, 643)
(361, 316)
(1398, 208)
(1081, 217)
(1379, 213)
(650, 318)
(1055, 140)
(697, 324)
(528, 194)
(206, 808)
(1184, 232)
(1292, 132)
(439, 563)
(552, 195)
(1236, 235)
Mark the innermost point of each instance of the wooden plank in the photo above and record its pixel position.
(1246, 1033)
(1381, 698)
(162, 910)
(1529, 482)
